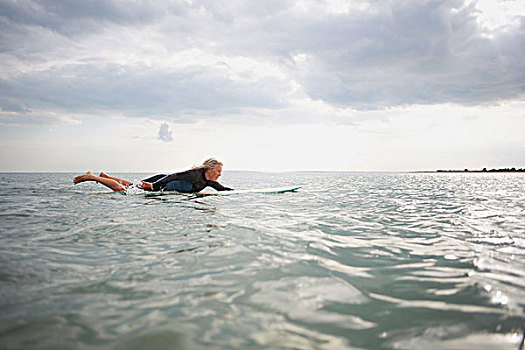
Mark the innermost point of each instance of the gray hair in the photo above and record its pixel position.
(211, 163)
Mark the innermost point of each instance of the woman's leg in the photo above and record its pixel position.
(122, 181)
(110, 183)
(179, 186)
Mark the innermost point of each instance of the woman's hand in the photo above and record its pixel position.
(146, 186)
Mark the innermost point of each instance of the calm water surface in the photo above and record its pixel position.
(350, 261)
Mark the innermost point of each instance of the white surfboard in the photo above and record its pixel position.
(253, 190)
(212, 192)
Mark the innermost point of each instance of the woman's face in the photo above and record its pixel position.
(215, 173)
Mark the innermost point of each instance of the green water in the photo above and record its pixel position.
(350, 261)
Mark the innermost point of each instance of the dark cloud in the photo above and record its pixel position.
(375, 55)
(140, 91)
(77, 16)
(397, 53)
(425, 53)
(165, 134)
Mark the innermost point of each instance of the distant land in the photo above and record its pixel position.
(484, 170)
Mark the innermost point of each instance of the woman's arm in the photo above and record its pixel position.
(146, 186)
(218, 186)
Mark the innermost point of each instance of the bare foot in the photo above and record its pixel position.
(103, 174)
(88, 176)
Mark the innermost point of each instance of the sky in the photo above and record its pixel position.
(274, 85)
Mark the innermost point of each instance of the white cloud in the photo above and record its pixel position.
(495, 14)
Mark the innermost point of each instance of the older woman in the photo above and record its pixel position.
(193, 180)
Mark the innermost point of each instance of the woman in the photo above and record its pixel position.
(193, 180)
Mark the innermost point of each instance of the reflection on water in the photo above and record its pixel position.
(352, 260)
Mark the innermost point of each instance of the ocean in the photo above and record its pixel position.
(349, 261)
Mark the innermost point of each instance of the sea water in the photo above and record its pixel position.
(350, 261)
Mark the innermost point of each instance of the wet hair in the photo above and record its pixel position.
(211, 163)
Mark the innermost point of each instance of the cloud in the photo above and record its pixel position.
(165, 134)
(411, 53)
(77, 17)
(139, 90)
(189, 60)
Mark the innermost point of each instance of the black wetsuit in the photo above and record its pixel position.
(195, 177)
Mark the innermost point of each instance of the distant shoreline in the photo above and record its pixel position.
(484, 171)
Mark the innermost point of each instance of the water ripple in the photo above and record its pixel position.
(352, 260)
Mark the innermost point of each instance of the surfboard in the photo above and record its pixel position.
(211, 192)
(253, 190)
